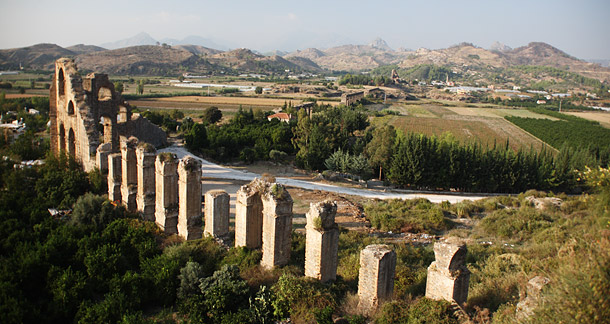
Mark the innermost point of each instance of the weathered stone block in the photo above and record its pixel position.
(146, 156)
(525, 308)
(102, 156)
(189, 198)
(217, 213)
(129, 182)
(277, 229)
(322, 241)
(376, 277)
(248, 217)
(448, 275)
(166, 193)
(114, 176)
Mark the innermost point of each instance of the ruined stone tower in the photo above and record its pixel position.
(217, 213)
(322, 241)
(263, 217)
(129, 182)
(146, 156)
(249, 216)
(448, 276)
(376, 277)
(115, 175)
(189, 198)
(166, 197)
(78, 105)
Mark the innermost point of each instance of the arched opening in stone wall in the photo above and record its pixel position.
(71, 143)
(61, 82)
(62, 138)
(70, 108)
(104, 94)
(106, 132)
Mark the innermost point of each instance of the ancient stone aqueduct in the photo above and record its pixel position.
(91, 122)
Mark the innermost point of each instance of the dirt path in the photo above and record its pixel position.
(215, 171)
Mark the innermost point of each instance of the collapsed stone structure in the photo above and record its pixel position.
(534, 298)
(263, 218)
(160, 187)
(448, 275)
(376, 277)
(217, 213)
(189, 198)
(322, 241)
(166, 192)
(88, 116)
(349, 99)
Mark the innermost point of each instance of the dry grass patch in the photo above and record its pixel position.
(602, 117)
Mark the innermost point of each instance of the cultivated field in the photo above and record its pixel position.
(602, 117)
(468, 125)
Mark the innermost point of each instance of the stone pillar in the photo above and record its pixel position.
(277, 226)
(534, 297)
(101, 156)
(217, 213)
(249, 217)
(166, 193)
(189, 198)
(448, 276)
(322, 241)
(114, 176)
(129, 180)
(376, 277)
(146, 156)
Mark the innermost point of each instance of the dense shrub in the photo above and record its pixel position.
(416, 215)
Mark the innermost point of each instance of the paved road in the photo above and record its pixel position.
(211, 170)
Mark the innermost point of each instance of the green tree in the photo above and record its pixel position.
(381, 147)
(140, 87)
(196, 138)
(119, 87)
(211, 115)
(258, 90)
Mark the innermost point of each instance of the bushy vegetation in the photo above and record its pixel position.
(249, 137)
(316, 137)
(166, 120)
(104, 265)
(415, 215)
(428, 162)
(361, 79)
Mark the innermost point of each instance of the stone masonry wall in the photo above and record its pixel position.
(376, 277)
(217, 213)
(129, 181)
(448, 276)
(248, 217)
(166, 197)
(189, 198)
(322, 241)
(115, 176)
(146, 156)
(277, 226)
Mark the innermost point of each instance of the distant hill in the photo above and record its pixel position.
(137, 40)
(245, 60)
(145, 59)
(198, 50)
(39, 56)
(464, 58)
(84, 49)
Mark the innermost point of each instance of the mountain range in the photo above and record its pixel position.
(143, 55)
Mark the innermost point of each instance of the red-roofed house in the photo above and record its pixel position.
(281, 116)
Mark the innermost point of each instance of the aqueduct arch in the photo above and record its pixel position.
(78, 105)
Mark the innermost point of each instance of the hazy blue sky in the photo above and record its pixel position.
(578, 27)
